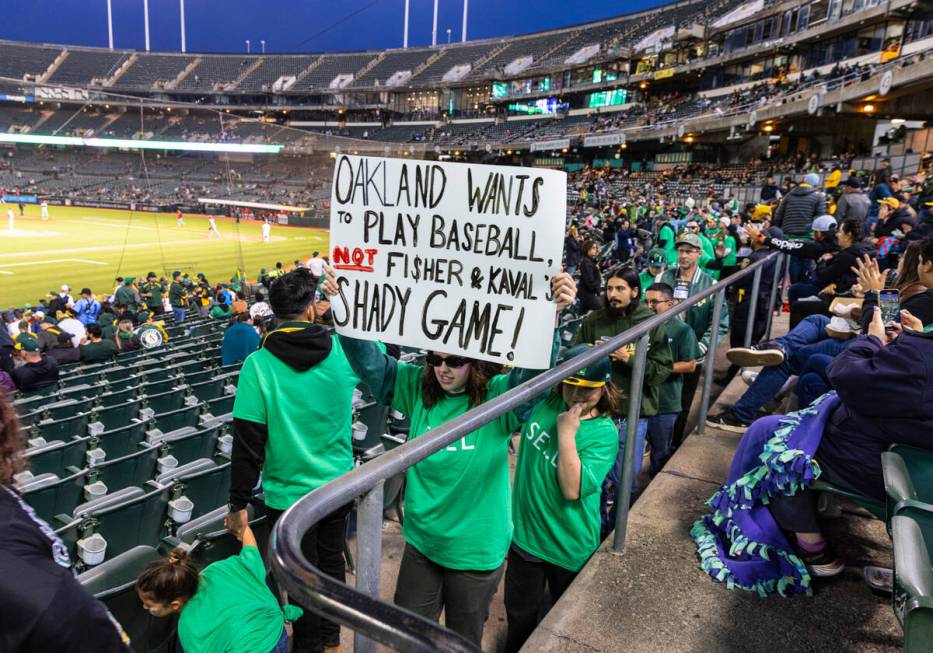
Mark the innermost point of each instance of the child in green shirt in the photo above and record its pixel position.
(226, 608)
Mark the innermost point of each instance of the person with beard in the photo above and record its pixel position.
(624, 310)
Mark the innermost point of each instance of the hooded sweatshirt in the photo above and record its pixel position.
(292, 416)
(798, 210)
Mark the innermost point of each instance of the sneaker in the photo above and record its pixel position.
(726, 421)
(767, 354)
(749, 376)
(879, 579)
(823, 563)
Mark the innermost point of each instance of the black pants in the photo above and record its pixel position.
(425, 587)
(797, 513)
(525, 582)
(323, 547)
(691, 381)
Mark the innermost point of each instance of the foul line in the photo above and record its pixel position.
(57, 260)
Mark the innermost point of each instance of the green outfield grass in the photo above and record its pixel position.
(86, 247)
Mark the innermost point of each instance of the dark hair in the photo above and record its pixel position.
(292, 293)
(662, 288)
(260, 297)
(853, 228)
(908, 275)
(432, 392)
(169, 579)
(630, 277)
(94, 330)
(11, 443)
(587, 244)
(926, 249)
(610, 400)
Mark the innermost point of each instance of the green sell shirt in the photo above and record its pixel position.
(457, 501)
(548, 526)
(233, 610)
(684, 347)
(309, 439)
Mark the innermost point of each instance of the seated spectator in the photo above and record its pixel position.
(240, 338)
(37, 371)
(126, 339)
(94, 348)
(87, 309)
(882, 397)
(44, 606)
(225, 607)
(67, 322)
(260, 307)
(221, 309)
(24, 333)
(63, 351)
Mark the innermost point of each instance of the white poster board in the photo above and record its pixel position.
(449, 257)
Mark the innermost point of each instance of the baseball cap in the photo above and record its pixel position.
(724, 221)
(812, 179)
(656, 257)
(151, 275)
(688, 239)
(23, 324)
(853, 182)
(890, 201)
(176, 273)
(239, 306)
(824, 223)
(86, 291)
(27, 344)
(595, 376)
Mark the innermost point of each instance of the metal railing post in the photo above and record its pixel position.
(752, 308)
(710, 361)
(774, 291)
(368, 554)
(624, 491)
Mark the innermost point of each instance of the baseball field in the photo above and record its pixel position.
(85, 247)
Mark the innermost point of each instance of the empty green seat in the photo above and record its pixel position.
(165, 402)
(61, 429)
(115, 417)
(38, 392)
(913, 583)
(52, 410)
(369, 425)
(176, 419)
(50, 495)
(205, 482)
(57, 456)
(89, 390)
(116, 396)
(120, 441)
(190, 443)
(208, 390)
(222, 406)
(200, 375)
(126, 471)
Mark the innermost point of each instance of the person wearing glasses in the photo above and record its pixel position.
(684, 355)
(458, 523)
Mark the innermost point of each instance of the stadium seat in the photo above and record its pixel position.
(50, 495)
(210, 541)
(189, 444)
(117, 374)
(126, 519)
(60, 429)
(222, 407)
(370, 421)
(114, 417)
(57, 456)
(208, 390)
(165, 402)
(114, 583)
(120, 441)
(911, 472)
(116, 396)
(913, 583)
(176, 419)
(84, 391)
(52, 410)
(159, 387)
(206, 484)
(133, 469)
(874, 507)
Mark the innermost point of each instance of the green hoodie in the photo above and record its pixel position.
(600, 324)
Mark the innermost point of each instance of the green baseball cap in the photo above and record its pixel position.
(151, 275)
(176, 273)
(688, 239)
(656, 257)
(596, 375)
(27, 344)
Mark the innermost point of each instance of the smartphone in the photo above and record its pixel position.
(890, 303)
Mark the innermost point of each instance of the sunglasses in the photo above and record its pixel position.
(452, 362)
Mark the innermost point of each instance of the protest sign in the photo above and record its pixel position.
(450, 257)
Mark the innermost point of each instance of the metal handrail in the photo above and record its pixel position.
(394, 626)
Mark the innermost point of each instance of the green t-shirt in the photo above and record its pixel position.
(457, 501)
(219, 312)
(309, 419)
(562, 532)
(684, 347)
(233, 610)
(98, 351)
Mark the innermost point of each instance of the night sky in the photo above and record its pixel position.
(289, 26)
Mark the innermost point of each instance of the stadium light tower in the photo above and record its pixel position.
(466, 8)
(262, 43)
(181, 4)
(448, 36)
(146, 18)
(110, 24)
(434, 29)
(405, 36)
(247, 46)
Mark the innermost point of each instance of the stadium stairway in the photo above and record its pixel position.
(654, 596)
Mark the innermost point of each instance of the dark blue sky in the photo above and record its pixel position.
(289, 26)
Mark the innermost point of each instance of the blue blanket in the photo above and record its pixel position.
(739, 542)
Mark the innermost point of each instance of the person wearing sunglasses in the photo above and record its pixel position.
(568, 445)
(458, 524)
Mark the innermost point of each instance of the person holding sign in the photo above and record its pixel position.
(569, 444)
(458, 525)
